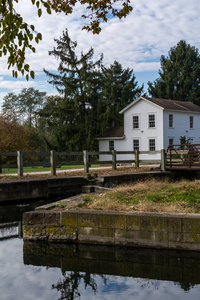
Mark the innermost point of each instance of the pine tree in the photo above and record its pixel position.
(77, 82)
(119, 89)
(179, 75)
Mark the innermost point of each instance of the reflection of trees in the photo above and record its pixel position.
(69, 285)
(186, 286)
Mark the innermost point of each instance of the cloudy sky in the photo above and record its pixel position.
(136, 42)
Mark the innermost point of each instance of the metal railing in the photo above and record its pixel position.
(186, 156)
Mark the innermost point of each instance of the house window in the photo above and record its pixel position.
(135, 122)
(152, 145)
(191, 122)
(111, 145)
(171, 121)
(171, 142)
(191, 140)
(136, 145)
(152, 121)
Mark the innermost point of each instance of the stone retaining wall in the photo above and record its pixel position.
(152, 230)
(40, 188)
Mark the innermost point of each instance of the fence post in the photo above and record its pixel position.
(137, 159)
(163, 161)
(20, 163)
(114, 159)
(53, 162)
(86, 161)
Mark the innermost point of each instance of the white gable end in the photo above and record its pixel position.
(144, 111)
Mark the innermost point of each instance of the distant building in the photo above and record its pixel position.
(152, 124)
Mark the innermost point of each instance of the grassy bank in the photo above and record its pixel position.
(152, 195)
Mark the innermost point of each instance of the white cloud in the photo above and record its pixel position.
(136, 42)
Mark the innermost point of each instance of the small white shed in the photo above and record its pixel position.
(152, 124)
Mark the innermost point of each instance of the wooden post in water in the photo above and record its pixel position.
(163, 160)
(86, 161)
(137, 159)
(53, 162)
(114, 159)
(20, 163)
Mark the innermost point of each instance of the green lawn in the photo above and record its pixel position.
(151, 195)
(41, 169)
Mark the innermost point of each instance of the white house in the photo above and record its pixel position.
(152, 124)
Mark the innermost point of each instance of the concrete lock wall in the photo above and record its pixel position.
(151, 230)
(40, 188)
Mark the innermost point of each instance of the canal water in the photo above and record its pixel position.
(64, 271)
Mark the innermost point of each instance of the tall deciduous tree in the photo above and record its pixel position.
(119, 88)
(179, 75)
(77, 81)
(13, 137)
(25, 105)
(16, 35)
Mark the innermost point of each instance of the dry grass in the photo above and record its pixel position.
(151, 195)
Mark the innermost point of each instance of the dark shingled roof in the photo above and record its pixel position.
(175, 105)
(113, 132)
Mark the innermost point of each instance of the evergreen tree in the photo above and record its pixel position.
(56, 122)
(179, 75)
(119, 89)
(77, 81)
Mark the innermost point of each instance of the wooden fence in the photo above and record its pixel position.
(55, 159)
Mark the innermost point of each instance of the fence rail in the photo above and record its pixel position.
(86, 158)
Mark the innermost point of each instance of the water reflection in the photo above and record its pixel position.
(59, 271)
(81, 265)
(11, 230)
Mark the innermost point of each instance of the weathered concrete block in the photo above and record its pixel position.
(52, 218)
(191, 224)
(141, 238)
(191, 237)
(40, 188)
(66, 233)
(96, 235)
(34, 232)
(151, 238)
(146, 222)
(69, 218)
(174, 223)
(33, 218)
(88, 219)
(101, 220)
(176, 237)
